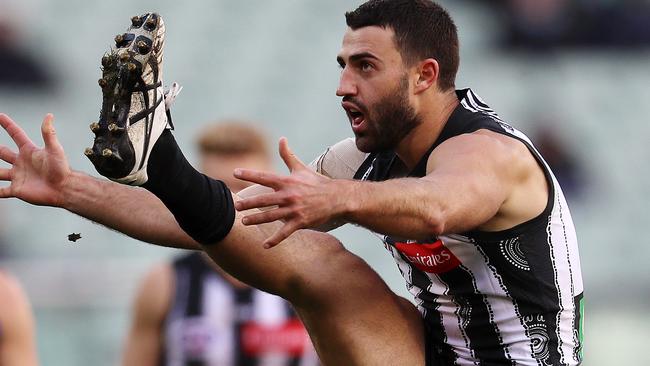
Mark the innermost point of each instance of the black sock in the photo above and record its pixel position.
(202, 206)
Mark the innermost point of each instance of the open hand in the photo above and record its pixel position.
(303, 199)
(36, 175)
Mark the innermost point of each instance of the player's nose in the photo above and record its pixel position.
(347, 85)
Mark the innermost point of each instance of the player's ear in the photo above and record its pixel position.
(428, 71)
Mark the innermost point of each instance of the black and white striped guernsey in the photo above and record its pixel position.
(512, 297)
(211, 322)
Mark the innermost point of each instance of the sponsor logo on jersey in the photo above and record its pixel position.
(289, 338)
(196, 337)
(429, 257)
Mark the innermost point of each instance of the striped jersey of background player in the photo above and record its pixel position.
(189, 311)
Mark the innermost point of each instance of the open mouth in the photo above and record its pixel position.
(355, 115)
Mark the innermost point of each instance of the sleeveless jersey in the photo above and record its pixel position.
(512, 297)
(211, 323)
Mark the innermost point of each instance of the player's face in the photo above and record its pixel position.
(375, 88)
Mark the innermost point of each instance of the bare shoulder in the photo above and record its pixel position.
(17, 323)
(514, 154)
(503, 168)
(155, 290)
(159, 274)
(7, 281)
(484, 148)
(15, 309)
(154, 297)
(11, 292)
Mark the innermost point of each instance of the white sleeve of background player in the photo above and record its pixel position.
(339, 161)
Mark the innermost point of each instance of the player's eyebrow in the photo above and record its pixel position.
(362, 55)
(356, 57)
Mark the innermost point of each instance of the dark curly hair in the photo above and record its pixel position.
(423, 29)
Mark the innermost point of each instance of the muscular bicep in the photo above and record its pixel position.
(473, 175)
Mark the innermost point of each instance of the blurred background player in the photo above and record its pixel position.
(190, 312)
(21, 67)
(17, 340)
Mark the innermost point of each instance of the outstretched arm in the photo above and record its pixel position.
(468, 180)
(42, 176)
(470, 184)
(133, 211)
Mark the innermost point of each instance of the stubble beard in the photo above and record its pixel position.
(393, 119)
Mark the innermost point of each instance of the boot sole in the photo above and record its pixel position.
(112, 153)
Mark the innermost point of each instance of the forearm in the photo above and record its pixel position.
(130, 210)
(400, 207)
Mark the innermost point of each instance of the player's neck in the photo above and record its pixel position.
(434, 110)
